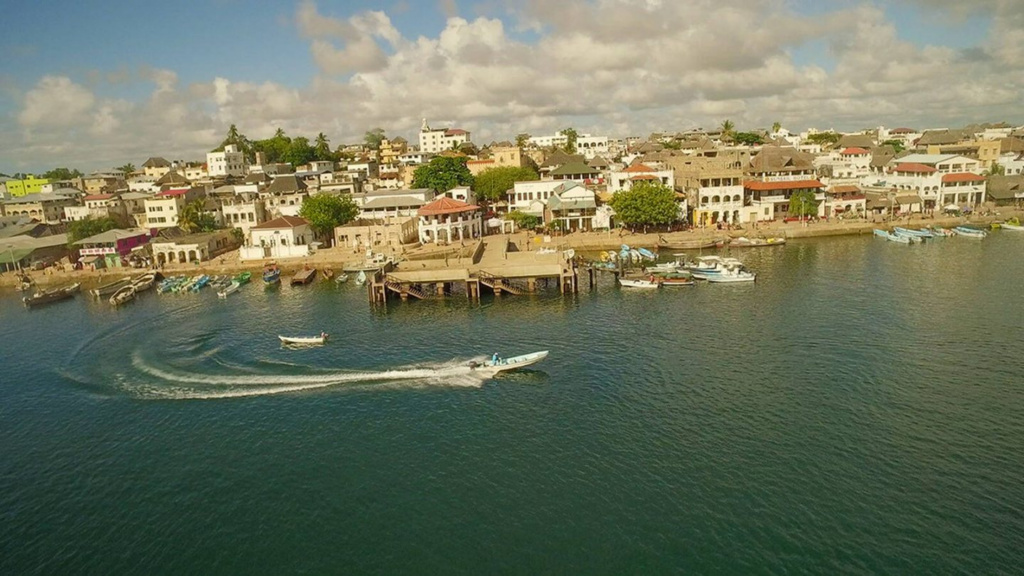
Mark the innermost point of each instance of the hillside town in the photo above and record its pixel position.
(237, 198)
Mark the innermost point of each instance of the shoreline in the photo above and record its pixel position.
(337, 258)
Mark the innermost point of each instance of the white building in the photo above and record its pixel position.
(446, 220)
(940, 180)
(162, 209)
(385, 204)
(244, 212)
(284, 237)
(624, 179)
(230, 162)
(587, 145)
(531, 197)
(434, 140)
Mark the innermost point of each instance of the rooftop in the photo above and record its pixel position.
(284, 222)
(112, 236)
(446, 205)
(760, 186)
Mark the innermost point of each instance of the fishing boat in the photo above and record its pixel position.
(913, 233)
(108, 289)
(200, 283)
(646, 254)
(341, 278)
(664, 267)
(912, 237)
(677, 282)
(303, 277)
(271, 274)
(743, 242)
(124, 295)
(305, 340)
(892, 237)
(361, 278)
(49, 296)
(242, 278)
(144, 282)
(229, 290)
(638, 283)
(1013, 224)
(691, 245)
(731, 276)
(970, 232)
(497, 364)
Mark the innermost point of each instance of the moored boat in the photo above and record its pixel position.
(124, 295)
(731, 276)
(913, 233)
(110, 288)
(144, 282)
(970, 232)
(229, 290)
(743, 242)
(1013, 224)
(497, 364)
(677, 282)
(242, 278)
(271, 274)
(327, 273)
(691, 245)
(361, 278)
(646, 254)
(200, 283)
(48, 296)
(941, 232)
(305, 340)
(638, 283)
(892, 237)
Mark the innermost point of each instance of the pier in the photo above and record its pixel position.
(490, 265)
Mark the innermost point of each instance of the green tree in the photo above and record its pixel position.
(61, 174)
(748, 138)
(87, 227)
(728, 129)
(897, 146)
(274, 148)
(322, 148)
(824, 138)
(127, 169)
(493, 183)
(194, 217)
(776, 126)
(523, 220)
(646, 204)
(997, 169)
(442, 174)
(522, 140)
(571, 136)
(326, 212)
(803, 203)
(299, 151)
(373, 138)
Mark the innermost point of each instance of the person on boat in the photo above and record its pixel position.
(494, 359)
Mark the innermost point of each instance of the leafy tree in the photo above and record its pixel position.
(442, 174)
(274, 148)
(824, 138)
(673, 145)
(127, 168)
(491, 184)
(776, 126)
(646, 204)
(238, 139)
(194, 217)
(803, 203)
(523, 220)
(299, 151)
(322, 148)
(468, 148)
(87, 227)
(748, 138)
(522, 140)
(997, 169)
(61, 174)
(728, 129)
(373, 138)
(326, 212)
(897, 146)
(571, 136)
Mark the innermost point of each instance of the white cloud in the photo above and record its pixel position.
(56, 101)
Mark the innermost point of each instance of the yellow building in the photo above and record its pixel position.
(30, 185)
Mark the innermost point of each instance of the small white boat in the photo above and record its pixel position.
(730, 276)
(305, 340)
(231, 289)
(665, 267)
(361, 278)
(144, 282)
(492, 367)
(626, 283)
(122, 296)
(341, 278)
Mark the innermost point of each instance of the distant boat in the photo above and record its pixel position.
(691, 245)
(626, 283)
(677, 282)
(229, 290)
(271, 274)
(144, 282)
(108, 289)
(743, 242)
(970, 232)
(917, 233)
(123, 296)
(892, 237)
(731, 276)
(200, 283)
(305, 340)
(327, 273)
(361, 278)
(647, 254)
(50, 296)
(1013, 224)
(341, 278)
(492, 367)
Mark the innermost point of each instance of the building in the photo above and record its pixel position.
(940, 180)
(285, 195)
(624, 179)
(284, 237)
(1006, 190)
(572, 208)
(156, 167)
(845, 199)
(447, 220)
(164, 209)
(111, 249)
(98, 206)
(243, 211)
(198, 247)
(434, 141)
(377, 235)
(385, 204)
(48, 208)
(391, 149)
(229, 162)
(103, 183)
(577, 172)
(25, 186)
(531, 197)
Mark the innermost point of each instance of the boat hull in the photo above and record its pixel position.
(303, 341)
(508, 364)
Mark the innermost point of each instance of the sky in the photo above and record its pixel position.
(94, 85)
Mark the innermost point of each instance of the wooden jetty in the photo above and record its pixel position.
(304, 276)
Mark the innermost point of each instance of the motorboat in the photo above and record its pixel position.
(497, 365)
(731, 276)
(914, 233)
(229, 290)
(1013, 224)
(677, 282)
(271, 274)
(664, 267)
(49, 296)
(892, 237)
(200, 283)
(904, 233)
(123, 296)
(646, 254)
(970, 232)
(341, 278)
(242, 278)
(744, 242)
(305, 340)
(638, 283)
(361, 278)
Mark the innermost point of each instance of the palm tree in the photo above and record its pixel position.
(322, 147)
(127, 169)
(776, 127)
(279, 133)
(728, 129)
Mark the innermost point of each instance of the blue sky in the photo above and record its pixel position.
(488, 64)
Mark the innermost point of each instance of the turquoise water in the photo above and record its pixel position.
(857, 410)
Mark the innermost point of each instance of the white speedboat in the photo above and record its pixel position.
(305, 340)
(625, 283)
(229, 290)
(341, 278)
(492, 367)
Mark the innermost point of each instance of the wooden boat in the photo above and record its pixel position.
(915, 233)
(941, 232)
(627, 283)
(271, 274)
(892, 237)
(144, 282)
(229, 290)
(341, 278)
(304, 276)
(50, 296)
(305, 340)
(124, 295)
(200, 283)
(970, 232)
(743, 242)
(691, 245)
(108, 289)
(361, 278)
(496, 366)
(242, 278)
(327, 273)
(677, 282)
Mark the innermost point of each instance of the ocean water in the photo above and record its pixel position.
(857, 410)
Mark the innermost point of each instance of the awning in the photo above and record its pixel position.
(90, 259)
(19, 255)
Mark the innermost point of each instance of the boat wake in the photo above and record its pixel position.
(156, 383)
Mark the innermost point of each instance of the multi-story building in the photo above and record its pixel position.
(940, 180)
(156, 167)
(103, 183)
(164, 209)
(47, 208)
(390, 204)
(773, 175)
(433, 141)
(25, 186)
(97, 206)
(229, 162)
(586, 144)
(391, 149)
(243, 211)
(624, 179)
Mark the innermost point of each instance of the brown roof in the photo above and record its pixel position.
(639, 168)
(286, 184)
(914, 168)
(794, 185)
(281, 223)
(781, 159)
(446, 205)
(962, 177)
(845, 189)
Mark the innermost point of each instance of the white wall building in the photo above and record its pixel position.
(624, 179)
(446, 220)
(587, 145)
(434, 140)
(284, 237)
(230, 162)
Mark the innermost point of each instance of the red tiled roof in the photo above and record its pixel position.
(446, 205)
(98, 197)
(767, 186)
(639, 168)
(855, 151)
(962, 177)
(914, 167)
(177, 192)
(281, 223)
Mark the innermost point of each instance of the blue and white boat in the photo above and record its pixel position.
(892, 237)
(647, 254)
(271, 274)
(970, 232)
(201, 283)
(910, 232)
